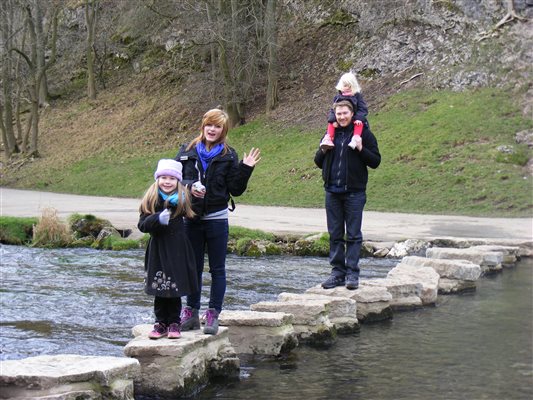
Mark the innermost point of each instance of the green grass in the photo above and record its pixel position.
(16, 230)
(439, 155)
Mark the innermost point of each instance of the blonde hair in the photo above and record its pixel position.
(348, 80)
(214, 116)
(151, 198)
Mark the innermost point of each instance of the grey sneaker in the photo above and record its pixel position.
(332, 282)
(189, 319)
(352, 282)
(211, 321)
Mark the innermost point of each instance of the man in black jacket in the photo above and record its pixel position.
(345, 175)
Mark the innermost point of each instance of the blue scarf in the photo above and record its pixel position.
(173, 199)
(207, 156)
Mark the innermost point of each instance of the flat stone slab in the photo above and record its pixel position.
(68, 376)
(177, 367)
(455, 275)
(451, 269)
(256, 332)
(342, 311)
(510, 253)
(311, 321)
(427, 277)
(373, 302)
(405, 295)
(525, 246)
(489, 261)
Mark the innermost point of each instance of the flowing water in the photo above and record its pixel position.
(472, 346)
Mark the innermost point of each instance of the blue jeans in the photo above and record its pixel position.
(212, 234)
(344, 213)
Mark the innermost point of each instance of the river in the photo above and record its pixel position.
(472, 346)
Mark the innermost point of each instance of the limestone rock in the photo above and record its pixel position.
(451, 286)
(427, 277)
(254, 332)
(373, 302)
(68, 376)
(177, 367)
(489, 261)
(342, 310)
(510, 253)
(408, 247)
(405, 295)
(311, 322)
(452, 269)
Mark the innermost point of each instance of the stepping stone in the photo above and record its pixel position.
(310, 319)
(455, 275)
(489, 261)
(68, 376)
(373, 303)
(255, 332)
(342, 310)
(178, 367)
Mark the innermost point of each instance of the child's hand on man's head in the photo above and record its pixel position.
(335, 124)
(357, 122)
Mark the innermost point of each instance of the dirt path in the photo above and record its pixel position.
(378, 226)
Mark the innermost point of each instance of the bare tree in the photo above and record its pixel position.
(7, 32)
(36, 69)
(91, 8)
(271, 35)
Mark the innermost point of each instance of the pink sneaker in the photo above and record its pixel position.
(174, 331)
(326, 143)
(160, 330)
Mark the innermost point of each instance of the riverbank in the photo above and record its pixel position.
(377, 226)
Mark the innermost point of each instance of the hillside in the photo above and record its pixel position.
(441, 102)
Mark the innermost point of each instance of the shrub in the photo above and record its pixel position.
(50, 231)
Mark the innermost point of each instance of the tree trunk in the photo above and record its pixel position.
(8, 135)
(40, 37)
(272, 53)
(91, 7)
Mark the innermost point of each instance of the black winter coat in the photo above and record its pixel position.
(169, 263)
(355, 161)
(225, 177)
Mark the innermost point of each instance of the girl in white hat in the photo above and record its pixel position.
(169, 261)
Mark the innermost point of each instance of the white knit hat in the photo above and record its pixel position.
(169, 167)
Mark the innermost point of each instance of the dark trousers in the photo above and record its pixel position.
(344, 213)
(167, 310)
(212, 234)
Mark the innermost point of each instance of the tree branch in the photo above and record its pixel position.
(411, 78)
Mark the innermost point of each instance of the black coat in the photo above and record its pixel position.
(354, 161)
(170, 267)
(225, 177)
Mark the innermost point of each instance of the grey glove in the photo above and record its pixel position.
(164, 217)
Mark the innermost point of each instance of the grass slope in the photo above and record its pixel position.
(439, 155)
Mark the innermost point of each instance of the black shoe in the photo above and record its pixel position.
(352, 282)
(332, 282)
